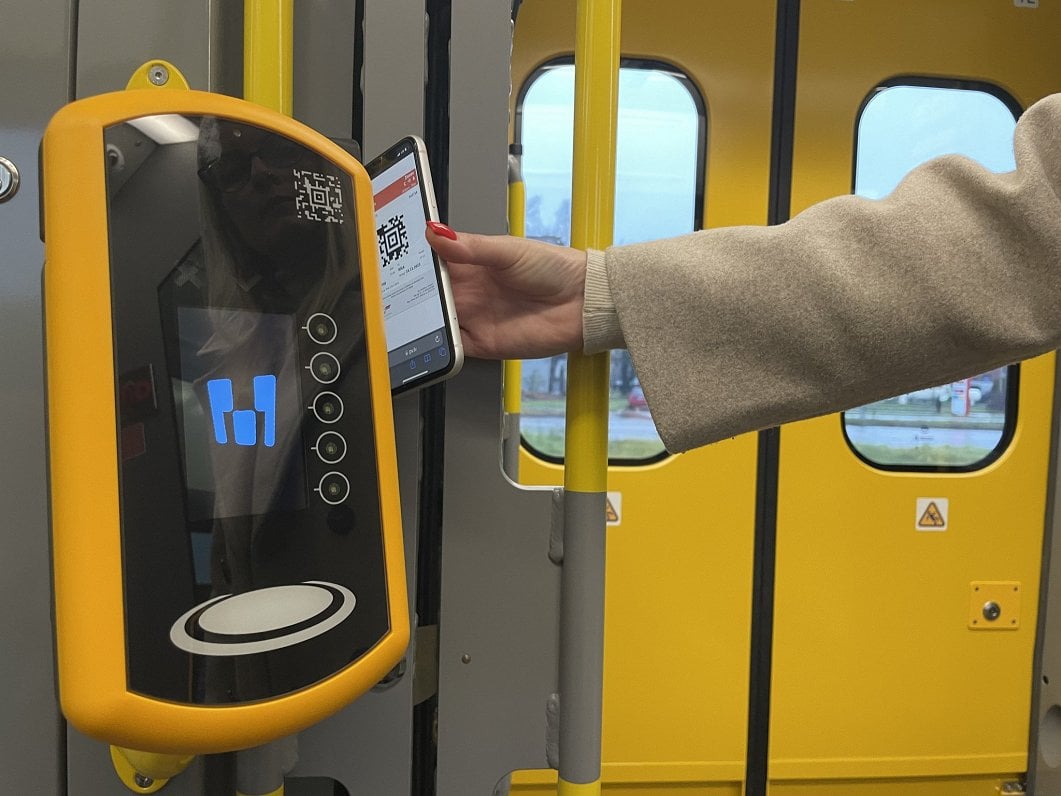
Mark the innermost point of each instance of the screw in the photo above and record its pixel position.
(158, 74)
(142, 780)
(466, 658)
(992, 611)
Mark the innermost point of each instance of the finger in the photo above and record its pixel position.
(491, 251)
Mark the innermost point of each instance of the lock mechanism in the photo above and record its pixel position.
(994, 605)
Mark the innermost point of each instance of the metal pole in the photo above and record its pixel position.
(586, 447)
(268, 49)
(268, 54)
(513, 373)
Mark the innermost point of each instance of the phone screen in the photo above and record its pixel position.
(419, 342)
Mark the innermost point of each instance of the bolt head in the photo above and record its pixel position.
(143, 781)
(158, 74)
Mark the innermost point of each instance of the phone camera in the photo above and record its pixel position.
(328, 407)
(330, 447)
(334, 488)
(324, 367)
(321, 328)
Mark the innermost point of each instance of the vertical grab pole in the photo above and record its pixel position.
(586, 450)
(268, 48)
(268, 53)
(513, 373)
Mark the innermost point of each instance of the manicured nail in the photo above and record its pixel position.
(441, 229)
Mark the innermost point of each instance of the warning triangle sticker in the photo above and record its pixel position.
(610, 513)
(932, 517)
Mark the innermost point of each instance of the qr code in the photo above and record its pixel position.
(393, 240)
(318, 197)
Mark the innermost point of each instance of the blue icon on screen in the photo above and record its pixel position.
(244, 421)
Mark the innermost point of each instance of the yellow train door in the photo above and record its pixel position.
(679, 567)
(908, 547)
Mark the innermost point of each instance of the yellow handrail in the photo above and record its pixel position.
(597, 28)
(592, 215)
(517, 204)
(268, 55)
(268, 48)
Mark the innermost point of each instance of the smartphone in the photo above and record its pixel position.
(423, 338)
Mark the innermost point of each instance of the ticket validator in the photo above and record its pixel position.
(226, 531)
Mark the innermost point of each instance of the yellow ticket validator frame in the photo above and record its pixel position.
(227, 544)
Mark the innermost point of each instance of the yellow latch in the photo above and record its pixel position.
(994, 605)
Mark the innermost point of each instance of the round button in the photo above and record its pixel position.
(330, 447)
(9, 179)
(324, 367)
(334, 488)
(328, 407)
(321, 328)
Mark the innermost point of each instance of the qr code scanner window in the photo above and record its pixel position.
(318, 197)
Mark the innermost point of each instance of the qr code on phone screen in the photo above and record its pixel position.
(318, 197)
(393, 240)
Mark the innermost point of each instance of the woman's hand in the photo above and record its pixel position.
(516, 298)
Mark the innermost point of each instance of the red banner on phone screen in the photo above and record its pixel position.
(395, 189)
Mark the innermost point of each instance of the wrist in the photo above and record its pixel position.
(600, 321)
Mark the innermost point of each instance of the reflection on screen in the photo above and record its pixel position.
(412, 307)
(241, 412)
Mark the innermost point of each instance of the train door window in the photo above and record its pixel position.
(966, 424)
(661, 140)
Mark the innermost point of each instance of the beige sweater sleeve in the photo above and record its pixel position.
(957, 272)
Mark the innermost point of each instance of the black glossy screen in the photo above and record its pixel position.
(251, 536)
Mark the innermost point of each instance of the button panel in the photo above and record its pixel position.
(326, 409)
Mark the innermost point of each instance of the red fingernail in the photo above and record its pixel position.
(441, 229)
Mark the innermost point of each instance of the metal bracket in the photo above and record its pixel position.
(552, 731)
(425, 664)
(157, 74)
(556, 528)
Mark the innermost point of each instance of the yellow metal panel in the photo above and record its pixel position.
(938, 786)
(89, 607)
(876, 671)
(679, 563)
(647, 780)
(565, 788)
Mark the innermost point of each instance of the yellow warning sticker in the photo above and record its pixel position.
(614, 509)
(932, 514)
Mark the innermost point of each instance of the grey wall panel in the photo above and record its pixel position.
(500, 592)
(323, 65)
(1044, 757)
(34, 63)
(368, 746)
(114, 37)
(394, 72)
(480, 80)
(500, 602)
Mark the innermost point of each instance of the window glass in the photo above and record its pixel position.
(964, 424)
(660, 141)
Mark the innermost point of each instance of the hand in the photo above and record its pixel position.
(516, 298)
